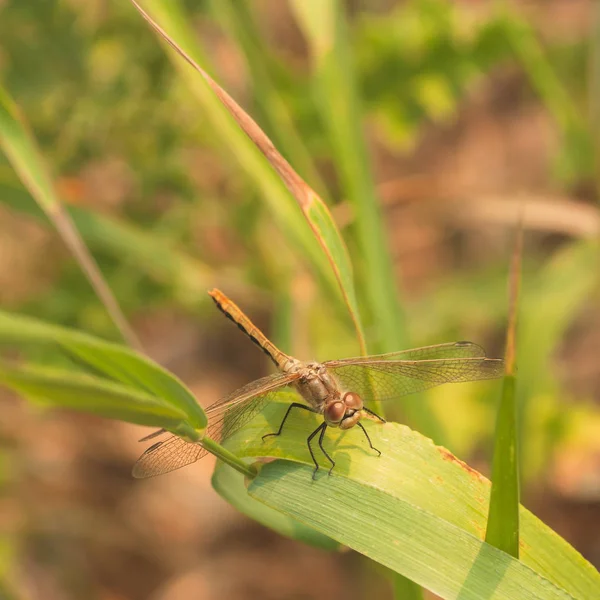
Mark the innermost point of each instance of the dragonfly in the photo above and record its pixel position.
(335, 389)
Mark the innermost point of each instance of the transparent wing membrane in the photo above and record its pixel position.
(439, 351)
(168, 455)
(384, 377)
(225, 417)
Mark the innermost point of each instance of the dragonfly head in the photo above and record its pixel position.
(344, 413)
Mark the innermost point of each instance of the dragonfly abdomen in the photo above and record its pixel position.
(235, 314)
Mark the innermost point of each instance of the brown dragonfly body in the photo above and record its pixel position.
(335, 389)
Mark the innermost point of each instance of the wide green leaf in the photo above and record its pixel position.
(231, 486)
(112, 361)
(433, 553)
(417, 509)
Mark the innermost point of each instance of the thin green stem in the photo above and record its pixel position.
(229, 458)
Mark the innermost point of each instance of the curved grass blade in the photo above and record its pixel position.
(106, 398)
(313, 208)
(325, 28)
(416, 509)
(20, 148)
(503, 519)
(238, 19)
(66, 389)
(116, 363)
(271, 189)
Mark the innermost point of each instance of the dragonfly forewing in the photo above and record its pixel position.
(435, 352)
(384, 377)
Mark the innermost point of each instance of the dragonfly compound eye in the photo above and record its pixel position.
(334, 413)
(353, 400)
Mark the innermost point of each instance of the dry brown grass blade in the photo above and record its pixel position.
(297, 186)
(72, 239)
(313, 207)
(21, 149)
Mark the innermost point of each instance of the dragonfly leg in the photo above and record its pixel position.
(325, 451)
(152, 435)
(368, 438)
(374, 414)
(287, 414)
(320, 428)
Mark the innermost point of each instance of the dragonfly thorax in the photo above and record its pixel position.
(317, 386)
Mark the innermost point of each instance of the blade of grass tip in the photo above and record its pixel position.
(314, 209)
(503, 517)
(20, 147)
(239, 20)
(326, 31)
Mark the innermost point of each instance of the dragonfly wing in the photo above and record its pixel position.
(225, 416)
(168, 455)
(383, 380)
(436, 352)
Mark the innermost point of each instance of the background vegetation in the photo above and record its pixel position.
(463, 110)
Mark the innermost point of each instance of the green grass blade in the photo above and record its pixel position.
(66, 389)
(326, 30)
(124, 387)
(20, 148)
(325, 27)
(417, 509)
(315, 212)
(238, 19)
(115, 362)
(503, 519)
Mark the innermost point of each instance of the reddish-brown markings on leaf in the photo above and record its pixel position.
(447, 455)
(479, 529)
